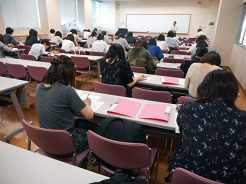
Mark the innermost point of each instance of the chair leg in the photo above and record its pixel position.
(148, 175)
(74, 158)
(156, 173)
(171, 147)
(89, 160)
(1, 116)
(29, 144)
(165, 147)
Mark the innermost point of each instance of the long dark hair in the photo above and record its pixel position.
(32, 33)
(218, 84)
(62, 70)
(152, 41)
(161, 37)
(58, 33)
(202, 44)
(138, 47)
(115, 52)
(170, 34)
(70, 37)
(212, 58)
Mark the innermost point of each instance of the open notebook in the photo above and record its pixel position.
(158, 112)
(125, 107)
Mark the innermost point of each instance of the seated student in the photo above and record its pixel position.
(57, 39)
(202, 44)
(171, 41)
(116, 70)
(196, 59)
(77, 39)
(106, 38)
(91, 39)
(193, 46)
(68, 44)
(86, 33)
(117, 33)
(57, 102)
(199, 33)
(8, 39)
(100, 45)
(122, 41)
(130, 39)
(3, 48)
(197, 71)
(213, 131)
(96, 31)
(139, 56)
(51, 34)
(162, 43)
(39, 49)
(32, 38)
(155, 50)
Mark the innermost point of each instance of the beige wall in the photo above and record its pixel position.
(53, 15)
(88, 14)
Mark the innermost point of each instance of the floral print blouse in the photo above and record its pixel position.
(213, 141)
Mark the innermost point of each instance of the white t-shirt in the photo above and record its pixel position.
(37, 50)
(86, 34)
(99, 46)
(68, 45)
(163, 45)
(193, 48)
(199, 34)
(174, 28)
(51, 35)
(57, 39)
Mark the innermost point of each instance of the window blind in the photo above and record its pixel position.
(20, 13)
(68, 11)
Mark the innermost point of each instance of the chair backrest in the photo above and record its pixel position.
(27, 57)
(85, 46)
(172, 60)
(81, 62)
(138, 69)
(169, 73)
(188, 41)
(80, 52)
(119, 154)
(28, 48)
(61, 50)
(37, 73)
(97, 53)
(109, 89)
(57, 142)
(53, 44)
(158, 96)
(178, 52)
(3, 69)
(46, 58)
(184, 99)
(181, 175)
(192, 39)
(17, 71)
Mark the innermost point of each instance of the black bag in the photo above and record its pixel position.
(121, 130)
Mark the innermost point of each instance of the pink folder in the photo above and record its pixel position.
(169, 80)
(155, 112)
(178, 65)
(126, 108)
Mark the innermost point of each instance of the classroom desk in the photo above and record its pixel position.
(168, 128)
(18, 51)
(25, 167)
(18, 97)
(25, 62)
(91, 58)
(173, 66)
(178, 56)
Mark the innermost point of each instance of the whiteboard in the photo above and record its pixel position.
(155, 23)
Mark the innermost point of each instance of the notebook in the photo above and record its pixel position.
(169, 80)
(158, 112)
(125, 107)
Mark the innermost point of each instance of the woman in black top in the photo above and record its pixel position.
(32, 38)
(130, 39)
(116, 70)
(213, 131)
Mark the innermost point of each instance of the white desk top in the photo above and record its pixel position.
(178, 56)
(111, 99)
(25, 62)
(155, 80)
(91, 58)
(168, 65)
(7, 84)
(25, 167)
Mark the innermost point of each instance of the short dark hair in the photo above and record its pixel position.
(95, 29)
(103, 32)
(52, 31)
(201, 38)
(145, 44)
(152, 41)
(218, 84)
(70, 37)
(117, 33)
(199, 30)
(9, 30)
(73, 31)
(200, 52)
(130, 34)
(201, 44)
(33, 32)
(93, 34)
(115, 51)
(121, 36)
(175, 22)
(100, 37)
(58, 33)
(62, 70)
(161, 37)
(46, 42)
(212, 58)
(88, 30)
(170, 34)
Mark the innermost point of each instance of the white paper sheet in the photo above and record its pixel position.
(96, 105)
(181, 82)
(176, 125)
(147, 78)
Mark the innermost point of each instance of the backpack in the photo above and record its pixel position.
(121, 130)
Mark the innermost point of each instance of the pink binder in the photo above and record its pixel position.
(158, 112)
(125, 107)
(169, 80)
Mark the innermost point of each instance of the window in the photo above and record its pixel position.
(95, 13)
(20, 14)
(242, 28)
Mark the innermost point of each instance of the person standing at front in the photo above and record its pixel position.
(174, 28)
